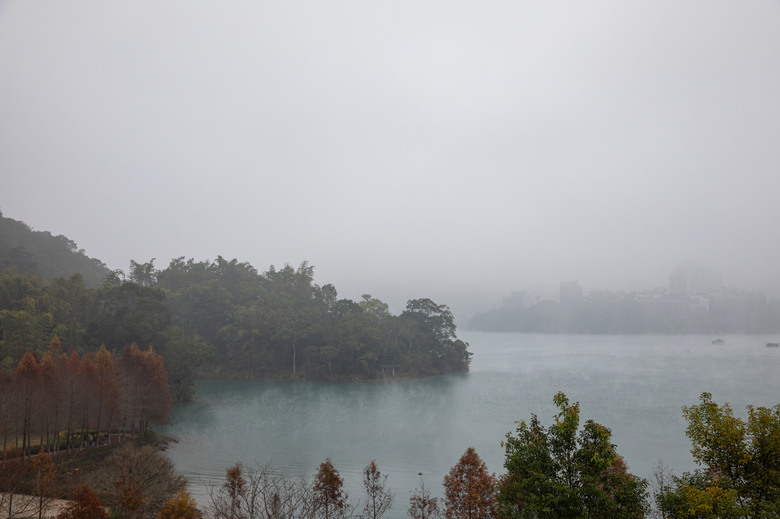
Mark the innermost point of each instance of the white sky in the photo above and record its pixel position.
(453, 150)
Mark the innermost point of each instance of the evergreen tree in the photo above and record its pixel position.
(556, 473)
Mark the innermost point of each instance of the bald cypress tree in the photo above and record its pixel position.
(470, 491)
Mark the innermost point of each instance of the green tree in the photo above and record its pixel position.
(129, 313)
(21, 331)
(429, 328)
(143, 274)
(697, 495)
(197, 300)
(68, 301)
(357, 336)
(741, 461)
(374, 306)
(558, 473)
(182, 506)
(185, 355)
(296, 312)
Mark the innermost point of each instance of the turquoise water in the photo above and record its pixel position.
(635, 385)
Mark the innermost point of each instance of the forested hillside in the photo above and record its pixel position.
(211, 318)
(225, 319)
(49, 256)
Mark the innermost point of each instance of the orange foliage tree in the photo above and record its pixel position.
(84, 504)
(45, 477)
(422, 505)
(14, 497)
(470, 491)
(144, 388)
(51, 374)
(71, 375)
(88, 384)
(107, 388)
(80, 396)
(27, 382)
(329, 494)
(129, 493)
(182, 506)
(378, 496)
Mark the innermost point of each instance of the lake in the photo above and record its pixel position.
(635, 385)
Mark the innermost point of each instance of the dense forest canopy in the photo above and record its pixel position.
(224, 318)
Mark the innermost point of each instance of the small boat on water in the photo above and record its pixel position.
(718, 341)
(773, 345)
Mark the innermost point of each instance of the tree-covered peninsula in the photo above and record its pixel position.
(225, 319)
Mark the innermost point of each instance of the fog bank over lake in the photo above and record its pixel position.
(636, 385)
(456, 150)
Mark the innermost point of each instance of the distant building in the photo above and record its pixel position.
(697, 286)
(699, 304)
(519, 298)
(692, 279)
(571, 293)
(531, 300)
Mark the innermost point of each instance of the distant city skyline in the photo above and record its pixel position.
(452, 151)
(687, 278)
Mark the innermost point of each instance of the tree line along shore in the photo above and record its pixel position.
(220, 318)
(225, 319)
(79, 359)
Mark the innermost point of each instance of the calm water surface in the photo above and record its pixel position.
(634, 385)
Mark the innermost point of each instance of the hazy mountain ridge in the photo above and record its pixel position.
(51, 256)
(604, 312)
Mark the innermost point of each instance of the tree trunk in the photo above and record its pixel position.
(99, 411)
(293, 348)
(56, 442)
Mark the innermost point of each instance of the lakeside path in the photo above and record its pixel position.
(26, 506)
(114, 438)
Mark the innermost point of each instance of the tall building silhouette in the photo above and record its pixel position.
(694, 279)
(571, 292)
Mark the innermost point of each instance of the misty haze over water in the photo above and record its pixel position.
(635, 385)
(451, 150)
(466, 152)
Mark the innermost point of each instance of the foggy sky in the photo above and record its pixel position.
(453, 150)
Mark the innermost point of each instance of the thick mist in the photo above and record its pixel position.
(446, 150)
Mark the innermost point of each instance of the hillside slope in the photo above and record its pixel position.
(48, 255)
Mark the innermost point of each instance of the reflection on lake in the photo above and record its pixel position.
(635, 385)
